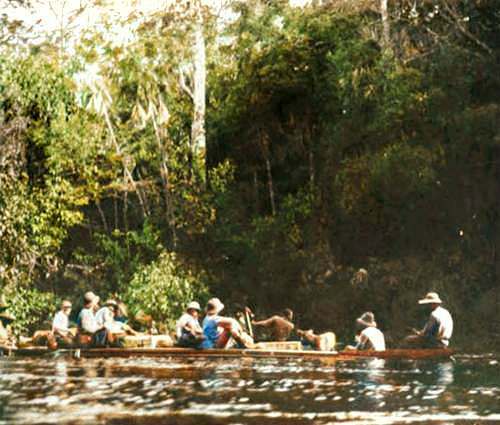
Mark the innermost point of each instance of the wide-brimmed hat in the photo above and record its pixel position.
(430, 298)
(367, 320)
(193, 305)
(215, 305)
(111, 303)
(7, 316)
(90, 297)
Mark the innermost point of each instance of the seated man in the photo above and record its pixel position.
(369, 336)
(60, 327)
(439, 327)
(89, 331)
(188, 330)
(217, 330)
(106, 317)
(279, 326)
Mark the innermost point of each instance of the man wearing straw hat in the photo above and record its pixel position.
(439, 327)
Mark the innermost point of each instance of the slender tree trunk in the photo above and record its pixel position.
(264, 144)
(386, 29)
(198, 137)
(128, 174)
(115, 208)
(256, 190)
(164, 173)
(103, 216)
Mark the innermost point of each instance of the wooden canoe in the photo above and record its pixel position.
(238, 353)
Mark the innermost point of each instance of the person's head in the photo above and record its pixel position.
(214, 306)
(90, 300)
(366, 320)
(431, 301)
(66, 307)
(112, 305)
(193, 308)
(287, 314)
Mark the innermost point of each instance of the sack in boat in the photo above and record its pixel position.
(322, 342)
(83, 340)
(279, 345)
(136, 341)
(161, 341)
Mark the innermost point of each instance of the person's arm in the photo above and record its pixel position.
(264, 323)
(431, 328)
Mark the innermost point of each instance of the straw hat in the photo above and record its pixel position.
(90, 297)
(111, 303)
(215, 305)
(367, 320)
(430, 298)
(193, 305)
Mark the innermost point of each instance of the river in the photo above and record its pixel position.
(193, 391)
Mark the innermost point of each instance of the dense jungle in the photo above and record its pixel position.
(344, 157)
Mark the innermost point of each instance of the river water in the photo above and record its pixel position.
(197, 391)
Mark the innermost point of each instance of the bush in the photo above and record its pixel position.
(163, 288)
(32, 309)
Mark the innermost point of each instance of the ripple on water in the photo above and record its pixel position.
(247, 391)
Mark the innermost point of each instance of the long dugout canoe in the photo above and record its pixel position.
(414, 354)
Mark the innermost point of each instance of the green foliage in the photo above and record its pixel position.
(33, 309)
(164, 287)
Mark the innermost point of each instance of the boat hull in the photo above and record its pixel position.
(238, 353)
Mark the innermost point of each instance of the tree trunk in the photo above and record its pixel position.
(264, 145)
(199, 87)
(386, 29)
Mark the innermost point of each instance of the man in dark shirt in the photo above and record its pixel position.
(279, 326)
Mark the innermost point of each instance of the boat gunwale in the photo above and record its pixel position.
(411, 354)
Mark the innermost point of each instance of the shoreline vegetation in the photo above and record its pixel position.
(335, 158)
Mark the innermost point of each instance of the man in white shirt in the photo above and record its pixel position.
(438, 330)
(188, 329)
(60, 325)
(370, 337)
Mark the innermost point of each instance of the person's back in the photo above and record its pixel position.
(371, 338)
(440, 326)
(279, 326)
(210, 331)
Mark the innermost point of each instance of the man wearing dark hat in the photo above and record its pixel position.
(370, 337)
(439, 327)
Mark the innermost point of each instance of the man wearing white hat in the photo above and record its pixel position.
(188, 329)
(439, 327)
(219, 329)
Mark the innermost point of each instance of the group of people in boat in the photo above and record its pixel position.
(102, 326)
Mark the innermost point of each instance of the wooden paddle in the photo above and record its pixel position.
(248, 321)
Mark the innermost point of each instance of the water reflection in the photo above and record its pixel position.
(247, 391)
